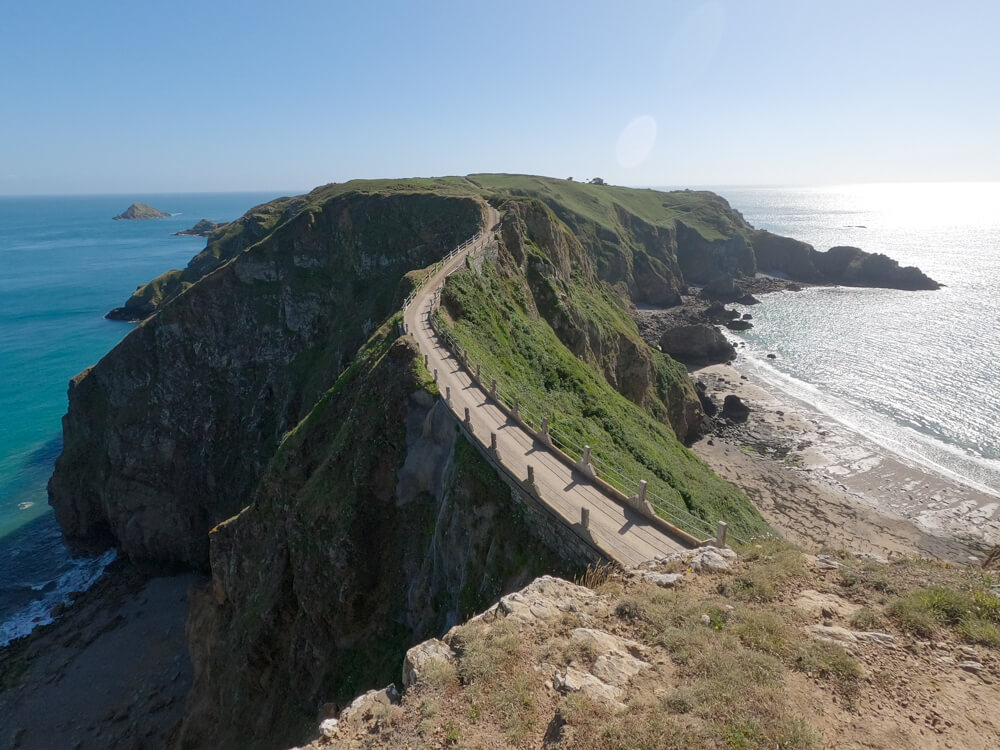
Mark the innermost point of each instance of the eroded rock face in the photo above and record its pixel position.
(170, 432)
(697, 344)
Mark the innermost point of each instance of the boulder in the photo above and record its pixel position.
(418, 657)
(719, 313)
(707, 404)
(722, 288)
(739, 325)
(747, 316)
(734, 409)
(697, 344)
(748, 299)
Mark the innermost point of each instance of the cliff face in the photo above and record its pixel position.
(348, 521)
(374, 528)
(849, 266)
(169, 433)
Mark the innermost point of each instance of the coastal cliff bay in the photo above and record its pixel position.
(266, 424)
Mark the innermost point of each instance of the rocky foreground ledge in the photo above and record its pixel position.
(775, 648)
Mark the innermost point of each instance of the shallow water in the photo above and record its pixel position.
(63, 265)
(914, 371)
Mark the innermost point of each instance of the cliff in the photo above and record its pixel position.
(169, 433)
(139, 211)
(266, 422)
(846, 266)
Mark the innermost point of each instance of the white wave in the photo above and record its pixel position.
(81, 577)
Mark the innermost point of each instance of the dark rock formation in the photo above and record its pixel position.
(739, 325)
(722, 288)
(169, 433)
(697, 344)
(734, 409)
(139, 211)
(203, 228)
(848, 266)
(719, 313)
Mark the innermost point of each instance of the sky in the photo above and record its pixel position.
(118, 97)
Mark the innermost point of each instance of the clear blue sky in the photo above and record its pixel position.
(104, 96)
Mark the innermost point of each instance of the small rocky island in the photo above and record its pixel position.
(203, 228)
(138, 211)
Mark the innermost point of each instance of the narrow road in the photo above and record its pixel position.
(620, 531)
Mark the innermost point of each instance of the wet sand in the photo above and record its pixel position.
(823, 485)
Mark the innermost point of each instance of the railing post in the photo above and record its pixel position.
(545, 432)
(514, 412)
(468, 419)
(586, 455)
(493, 443)
(435, 374)
(493, 388)
(425, 360)
(531, 479)
(642, 491)
(478, 374)
(720, 533)
(447, 394)
(585, 517)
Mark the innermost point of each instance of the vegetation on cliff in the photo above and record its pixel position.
(539, 320)
(349, 554)
(777, 650)
(267, 396)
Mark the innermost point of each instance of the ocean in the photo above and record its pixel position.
(63, 264)
(913, 371)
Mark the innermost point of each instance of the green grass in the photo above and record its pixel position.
(495, 326)
(974, 614)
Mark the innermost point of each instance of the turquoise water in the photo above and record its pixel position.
(63, 265)
(915, 371)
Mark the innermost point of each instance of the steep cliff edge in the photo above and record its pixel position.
(374, 527)
(346, 520)
(169, 433)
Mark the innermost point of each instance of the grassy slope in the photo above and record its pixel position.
(706, 212)
(529, 360)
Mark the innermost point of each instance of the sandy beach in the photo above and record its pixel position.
(824, 486)
(112, 671)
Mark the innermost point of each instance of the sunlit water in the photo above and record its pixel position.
(63, 264)
(916, 371)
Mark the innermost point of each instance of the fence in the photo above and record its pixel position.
(629, 489)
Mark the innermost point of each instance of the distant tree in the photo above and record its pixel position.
(598, 181)
(569, 179)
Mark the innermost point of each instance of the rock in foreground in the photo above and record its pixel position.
(139, 211)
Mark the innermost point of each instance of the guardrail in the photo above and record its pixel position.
(627, 489)
(437, 267)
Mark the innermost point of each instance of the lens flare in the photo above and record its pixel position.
(636, 141)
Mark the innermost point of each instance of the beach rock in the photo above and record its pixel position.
(747, 316)
(697, 344)
(739, 325)
(772, 356)
(722, 288)
(734, 409)
(719, 313)
(707, 404)
(748, 299)
(140, 211)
